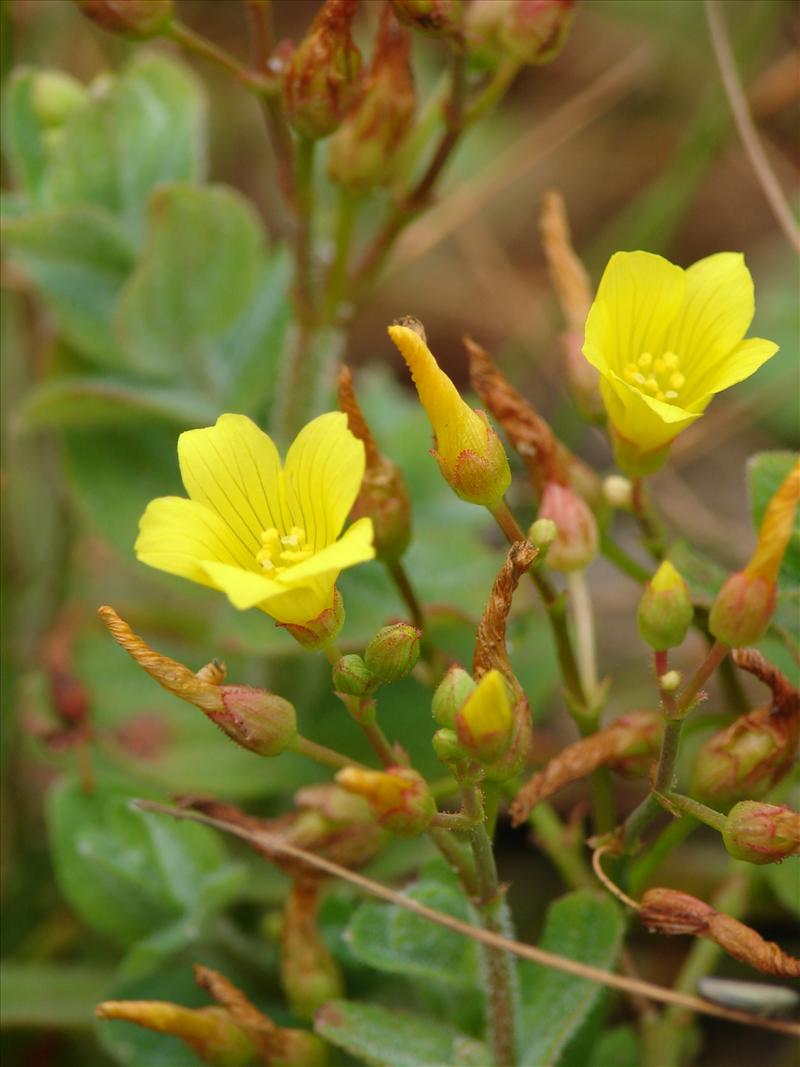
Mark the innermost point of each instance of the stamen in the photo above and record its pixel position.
(677, 380)
(651, 385)
(645, 360)
(670, 394)
(659, 366)
(671, 360)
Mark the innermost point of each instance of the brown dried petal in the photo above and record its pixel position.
(785, 696)
(567, 272)
(490, 640)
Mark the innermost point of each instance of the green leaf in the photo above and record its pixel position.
(765, 472)
(127, 873)
(135, 132)
(79, 258)
(78, 400)
(202, 261)
(584, 926)
(783, 879)
(618, 1046)
(22, 132)
(703, 575)
(50, 995)
(384, 1038)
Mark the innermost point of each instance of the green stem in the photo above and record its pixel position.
(669, 838)
(622, 561)
(584, 632)
(322, 754)
(652, 535)
(257, 82)
(337, 276)
(406, 590)
(493, 92)
(691, 690)
(456, 858)
(701, 812)
(562, 850)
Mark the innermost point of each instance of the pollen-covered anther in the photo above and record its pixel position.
(281, 551)
(659, 377)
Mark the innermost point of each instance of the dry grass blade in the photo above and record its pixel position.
(518, 948)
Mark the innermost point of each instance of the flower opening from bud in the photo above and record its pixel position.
(399, 797)
(393, 652)
(761, 833)
(129, 18)
(323, 78)
(665, 610)
(434, 17)
(470, 455)
(451, 694)
(352, 676)
(575, 545)
(484, 723)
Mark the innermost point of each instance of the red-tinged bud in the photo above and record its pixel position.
(761, 833)
(323, 79)
(665, 610)
(255, 719)
(318, 632)
(129, 18)
(352, 677)
(485, 722)
(451, 694)
(528, 31)
(310, 975)
(335, 824)
(393, 652)
(435, 17)
(740, 615)
(364, 150)
(748, 758)
(575, 545)
(399, 797)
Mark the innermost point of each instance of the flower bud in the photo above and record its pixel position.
(257, 720)
(446, 746)
(352, 676)
(470, 455)
(209, 1032)
(451, 694)
(129, 18)
(323, 79)
(484, 723)
(363, 152)
(543, 534)
(670, 681)
(399, 797)
(746, 759)
(575, 545)
(435, 17)
(665, 610)
(761, 833)
(318, 632)
(741, 613)
(617, 490)
(528, 31)
(55, 96)
(393, 651)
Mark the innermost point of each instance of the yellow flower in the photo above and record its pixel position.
(264, 536)
(665, 340)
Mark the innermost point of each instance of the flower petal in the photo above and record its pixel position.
(294, 604)
(648, 422)
(354, 546)
(738, 364)
(176, 535)
(245, 589)
(637, 300)
(716, 313)
(234, 468)
(322, 476)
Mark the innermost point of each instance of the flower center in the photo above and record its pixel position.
(658, 376)
(282, 551)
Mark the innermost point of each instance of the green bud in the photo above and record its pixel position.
(351, 676)
(529, 31)
(434, 17)
(393, 651)
(618, 491)
(741, 613)
(255, 719)
(665, 610)
(446, 746)
(55, 96)
(761, 833)
(543, 534)
(450, 694)
(128, 18)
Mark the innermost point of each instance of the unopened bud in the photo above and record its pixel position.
(484, 723)
(470, 455)
(670, 681)
(665, 610)
(393, 652)
(324, 628)
(129, 18)
(55, 96)
(617, 490)
(257, 720)
(451, 694)
(529, 31)
(352, 676)
(543, 534)
(748, 758)
(436, 17)
(364, 150)
(323, 79)
(761, 833)
(446, 746)
(209, 1032)
(575, 545)
(399, 797)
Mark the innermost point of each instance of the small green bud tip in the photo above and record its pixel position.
(761, 833)
(741, 613)
(446, 746)
(352, 676)
(393, 652)
(257, 720)
(542, 534)
(670, 681)
(665, 610)
(451, 693)
(575, 545)
(618, 492)
(55, 96)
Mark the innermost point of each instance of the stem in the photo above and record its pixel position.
(563, 852)
(458, 860)
(584, 632)
(322, 754)
(555, 606)
(201, 46)
(603, 816)
(494, 91)
(499, 966)
(745, 125)
(716, 655)
(380, 743)
(622, 561)
(337, 276)
(672, 835)
(652, 535)
(406, 591)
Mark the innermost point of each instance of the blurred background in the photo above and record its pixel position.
(631, 125)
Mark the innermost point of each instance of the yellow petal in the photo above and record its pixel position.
(777, 528)
(176, 535)
(322, 476)
(234, 468)
(637, 300)
(246, 589)
(715, 316)
(354, 546)
(649, 423)
(735, 366)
